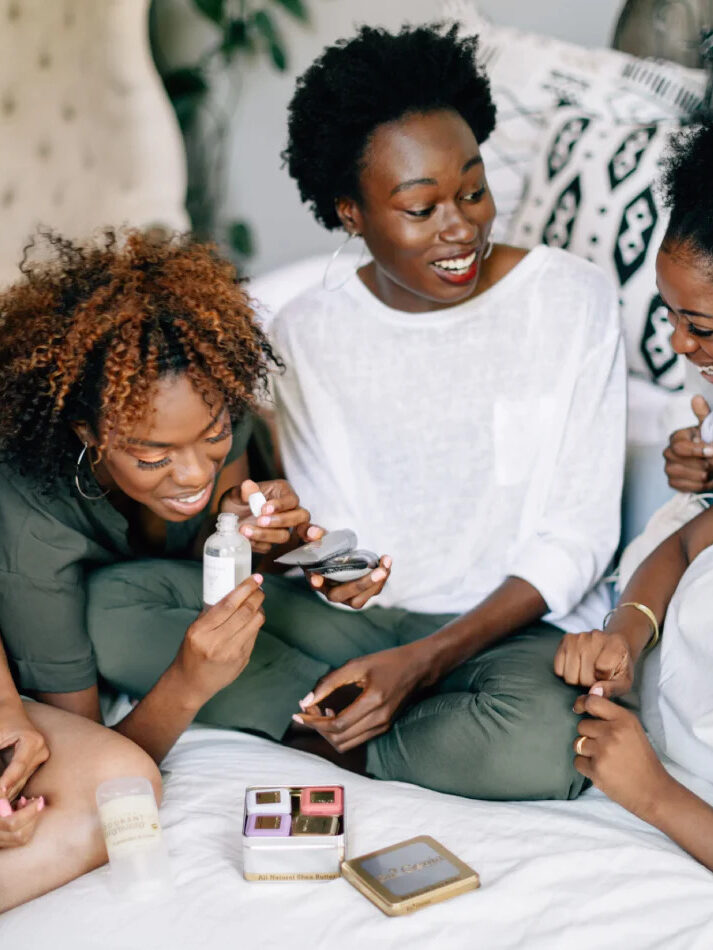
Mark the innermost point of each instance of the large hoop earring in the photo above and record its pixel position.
(77, 481)
(334, 257)
(488, 249)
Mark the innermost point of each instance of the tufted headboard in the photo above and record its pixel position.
(87, 135)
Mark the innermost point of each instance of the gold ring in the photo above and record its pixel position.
(578, 745)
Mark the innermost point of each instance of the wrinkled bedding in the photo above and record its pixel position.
(582, 874)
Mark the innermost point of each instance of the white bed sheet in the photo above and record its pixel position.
(581, 874)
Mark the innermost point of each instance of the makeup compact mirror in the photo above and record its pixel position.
(335, 556)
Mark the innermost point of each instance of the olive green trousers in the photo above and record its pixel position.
(500, 726)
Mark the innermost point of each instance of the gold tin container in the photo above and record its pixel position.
(412, 874)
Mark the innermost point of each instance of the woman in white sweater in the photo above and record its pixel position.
(459, 405)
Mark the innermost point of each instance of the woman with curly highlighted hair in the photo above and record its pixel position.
(458, 402)
(128, 369)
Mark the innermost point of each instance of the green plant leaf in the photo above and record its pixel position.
(186, 88)
(296, 8)
(278, 56)
(240, 237)
(213, 9)
(236, 36)
(265, 26)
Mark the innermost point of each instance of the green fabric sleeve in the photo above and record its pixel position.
(42, 593)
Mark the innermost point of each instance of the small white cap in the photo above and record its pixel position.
(256, 501)
(707, 428)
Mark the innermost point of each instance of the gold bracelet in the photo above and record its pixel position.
(650, 616)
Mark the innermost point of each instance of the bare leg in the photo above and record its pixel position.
(68, 841)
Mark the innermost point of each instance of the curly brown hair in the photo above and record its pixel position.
(90, 329)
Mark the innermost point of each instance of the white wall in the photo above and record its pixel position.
(261, 191)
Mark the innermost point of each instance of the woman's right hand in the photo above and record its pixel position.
(689, 461)
(598, 660)
(18, 827)
(218, 644)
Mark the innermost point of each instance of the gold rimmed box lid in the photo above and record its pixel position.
(411, 874)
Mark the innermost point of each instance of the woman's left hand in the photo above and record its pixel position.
(386, 679)
(615, 754)
(354, 593)
(22, 747)
(280, 514)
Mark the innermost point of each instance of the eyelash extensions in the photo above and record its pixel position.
(159, 463)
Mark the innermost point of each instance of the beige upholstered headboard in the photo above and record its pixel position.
(87, 135)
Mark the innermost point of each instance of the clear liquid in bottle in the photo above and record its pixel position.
(227, 559)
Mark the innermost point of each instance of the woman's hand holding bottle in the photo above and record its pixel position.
(218, 644)
(24, 750)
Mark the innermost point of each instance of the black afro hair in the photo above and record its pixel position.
(376, 77)
(687, 191)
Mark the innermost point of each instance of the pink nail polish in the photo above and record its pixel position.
(270, 510)
(258, 579)
(23, 801)
(264, 522)
(248, 531)
(307, 701)
(40, 803)
(597, 691)
(298, 719)
(387, 561)
(5, 808)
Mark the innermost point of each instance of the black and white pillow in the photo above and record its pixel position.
(533, 75)
(592, 191)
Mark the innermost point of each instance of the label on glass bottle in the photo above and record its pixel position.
(130, 823)
(218, 577)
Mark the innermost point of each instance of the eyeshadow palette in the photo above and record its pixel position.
(293, 832)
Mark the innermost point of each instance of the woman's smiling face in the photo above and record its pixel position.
(171, 459)
(684, 283)
(425, 211)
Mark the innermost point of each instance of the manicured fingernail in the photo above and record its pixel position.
(307, 701)
(329, 713)
(247, 531)
(23, 801)
(313, 532)
(387, 561)
(378, 575)
(257, 578)
(298, 719)
(270, 509)
(708, 451)
(263, 522)
(5, 808)
(597, 691)
(40, 803)
(316, 580)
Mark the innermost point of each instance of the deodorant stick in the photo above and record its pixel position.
(138, 859)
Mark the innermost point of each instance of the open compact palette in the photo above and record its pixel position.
(334, 556)
(293, 833)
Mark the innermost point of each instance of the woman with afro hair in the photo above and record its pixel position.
(672, 588)
(460, 404)
(128, 372)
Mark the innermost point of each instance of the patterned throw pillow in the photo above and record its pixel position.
(593, 192)
(532, 75)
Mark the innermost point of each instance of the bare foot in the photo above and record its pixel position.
(311, 741)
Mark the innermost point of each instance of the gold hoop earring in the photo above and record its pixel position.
(77, 473)
(330, 263)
